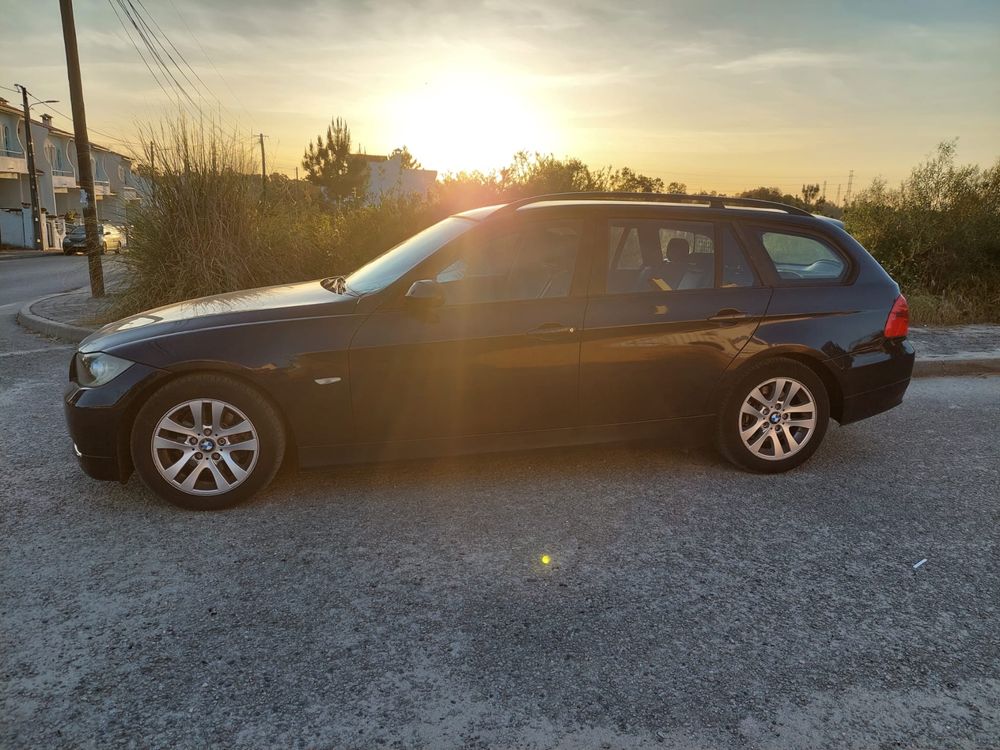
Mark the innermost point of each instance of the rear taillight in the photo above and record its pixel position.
(897, 325)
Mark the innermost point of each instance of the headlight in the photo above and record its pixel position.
(98, 368)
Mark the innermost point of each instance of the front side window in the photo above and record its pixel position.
(391, 265)
(798, 258)
(533, 262)
(651, 255)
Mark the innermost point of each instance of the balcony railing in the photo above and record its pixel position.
(13, 154)
(62, 173)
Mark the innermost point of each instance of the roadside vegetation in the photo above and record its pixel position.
(209, 226)
(938, 234)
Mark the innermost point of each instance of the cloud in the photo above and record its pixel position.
(789, 57)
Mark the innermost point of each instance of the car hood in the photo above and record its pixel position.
(287, 301)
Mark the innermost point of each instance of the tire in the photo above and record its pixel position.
(234, 414)
(781, 442)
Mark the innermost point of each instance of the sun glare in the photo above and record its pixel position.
(471, 120)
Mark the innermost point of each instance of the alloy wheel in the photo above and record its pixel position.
(205, 447)
(777, 419)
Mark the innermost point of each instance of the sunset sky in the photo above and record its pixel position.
(722, 95)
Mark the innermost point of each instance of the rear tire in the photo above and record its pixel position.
(207, 442)
(774, 418)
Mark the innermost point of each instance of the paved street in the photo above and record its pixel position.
(23, 279)
(405, 605)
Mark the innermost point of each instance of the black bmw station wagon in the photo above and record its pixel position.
(559, 319)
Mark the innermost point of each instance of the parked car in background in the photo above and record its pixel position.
(560, 319)
(111, 237)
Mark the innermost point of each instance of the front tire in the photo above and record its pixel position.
(774, 418)
(207, 442)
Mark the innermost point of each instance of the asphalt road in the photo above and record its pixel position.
(24, 279)
(686, 604)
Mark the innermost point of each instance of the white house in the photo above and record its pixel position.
(56, 170)
(387, 177)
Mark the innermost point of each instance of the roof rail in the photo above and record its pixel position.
(713, 201)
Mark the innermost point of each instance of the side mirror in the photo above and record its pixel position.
(425, 293)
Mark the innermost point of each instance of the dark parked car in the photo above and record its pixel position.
(553, 320)
(109, 237)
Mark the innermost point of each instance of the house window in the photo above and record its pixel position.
(7, 146)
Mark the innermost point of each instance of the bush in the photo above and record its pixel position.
(938, 234)
(205, 226)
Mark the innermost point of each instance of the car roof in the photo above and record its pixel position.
(657, 199)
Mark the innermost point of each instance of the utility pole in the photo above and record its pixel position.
(296, 174)
(263, 167)
(82, 149)
(36, 209)
(824, 191)
(850, 181)
(838, 193)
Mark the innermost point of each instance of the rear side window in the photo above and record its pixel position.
(651, 255)
(798, 258)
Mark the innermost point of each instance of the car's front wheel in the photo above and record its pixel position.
(207, 441)
(775, 417)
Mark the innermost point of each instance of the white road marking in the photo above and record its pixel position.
(36, 351)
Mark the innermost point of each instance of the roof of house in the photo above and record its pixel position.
(6, 106)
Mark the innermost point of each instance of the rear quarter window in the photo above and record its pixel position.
(801, 259)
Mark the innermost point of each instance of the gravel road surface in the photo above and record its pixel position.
(685, 604)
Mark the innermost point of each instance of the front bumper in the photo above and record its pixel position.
(100, 420)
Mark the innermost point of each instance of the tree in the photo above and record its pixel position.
(406, 158)
(810, 193)
(331, 165)
(775, 195)
(627, 180)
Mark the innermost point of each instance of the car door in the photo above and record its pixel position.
(501, 353)
(673, 301)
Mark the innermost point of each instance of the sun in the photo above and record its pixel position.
(469, 120)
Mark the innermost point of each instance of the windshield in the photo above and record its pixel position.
(391, 265)
(80, 230)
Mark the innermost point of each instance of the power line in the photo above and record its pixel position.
(210, 61)
(145, 62)
(156, 37)
(165, 70)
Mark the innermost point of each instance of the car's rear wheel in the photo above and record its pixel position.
(206, 442)
(775, 417)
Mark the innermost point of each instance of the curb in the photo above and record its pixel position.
(922, 368)
(46, 326)
(21, 254)
(941, 368)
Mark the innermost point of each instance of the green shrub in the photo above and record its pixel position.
(206, 227)
(938, 234)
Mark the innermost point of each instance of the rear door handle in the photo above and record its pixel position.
(551, 331)
(728, 315)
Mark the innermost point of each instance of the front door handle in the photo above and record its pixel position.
(549, 331)
(728, 315)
